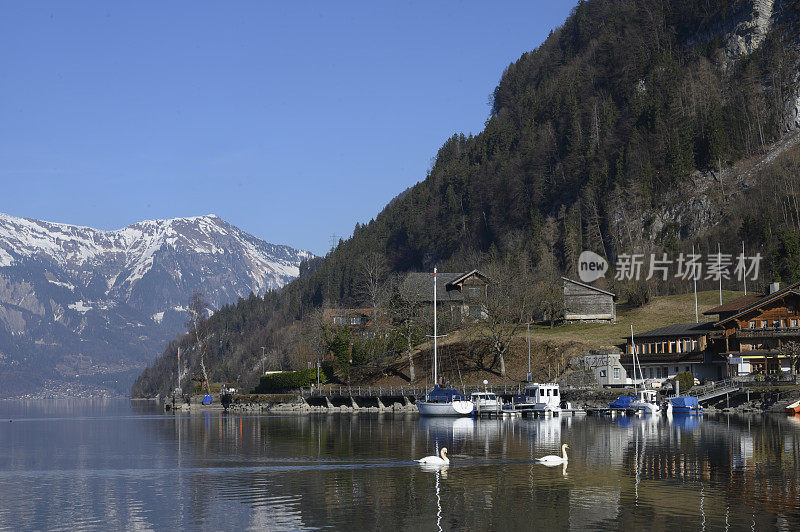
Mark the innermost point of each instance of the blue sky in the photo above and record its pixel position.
(291, 120)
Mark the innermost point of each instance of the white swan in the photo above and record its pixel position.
(435, 460)
(552, 459)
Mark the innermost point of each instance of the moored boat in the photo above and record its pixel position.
(622, 402)
(445, 402)
(486, 400)
(545, 398)
(646, 402)
(685, 405)
(442, 401)
(793, 408)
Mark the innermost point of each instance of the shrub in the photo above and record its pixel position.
(289, 380)
(685, 379)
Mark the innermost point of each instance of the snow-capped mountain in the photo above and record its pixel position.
(77, 302)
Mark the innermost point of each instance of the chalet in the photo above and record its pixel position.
(583, 302)
(664, 352)
(461, 295)
(760, 333)
(362, 322)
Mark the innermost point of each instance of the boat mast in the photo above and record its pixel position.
(633, 352)
(435, 338)
(696, 314)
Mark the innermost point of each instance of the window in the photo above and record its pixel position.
(355, 320)
(555, 393)
(475, 311)
(474, 293)
(338, 320)
(616, 373)
(752, 325)
(603, 373)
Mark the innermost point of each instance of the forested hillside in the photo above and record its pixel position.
(639, 125)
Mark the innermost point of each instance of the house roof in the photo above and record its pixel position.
(790, 289)
(734, 305)
(677, 329)
(418, 286)
(590, 287)
(467, 275)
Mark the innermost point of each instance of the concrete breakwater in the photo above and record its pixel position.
(296, 404)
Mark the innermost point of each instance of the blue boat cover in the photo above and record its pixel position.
(444, 395)
(684, 402)
(623, 401)
(207, 400)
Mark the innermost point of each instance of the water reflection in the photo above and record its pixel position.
(87, 466)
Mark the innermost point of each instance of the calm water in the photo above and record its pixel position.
(110, 465)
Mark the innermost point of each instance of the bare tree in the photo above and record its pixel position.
(406, 313)
(507, 309)
(198, 324)
(371, 282)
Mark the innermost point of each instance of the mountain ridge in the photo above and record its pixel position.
(113, 298)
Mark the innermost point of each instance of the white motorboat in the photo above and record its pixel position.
(646, 401)
(442, 401)
(544, 397)
(486, 401)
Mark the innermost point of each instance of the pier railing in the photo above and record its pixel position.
(407, 391)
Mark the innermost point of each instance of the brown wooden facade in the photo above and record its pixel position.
(583, 302)
(762, 335)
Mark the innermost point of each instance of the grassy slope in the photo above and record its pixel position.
(550, 348)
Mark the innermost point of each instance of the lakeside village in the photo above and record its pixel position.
(742, 356)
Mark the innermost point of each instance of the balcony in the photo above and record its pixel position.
(767, 332)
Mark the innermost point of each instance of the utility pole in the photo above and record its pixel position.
(694, 277)
(744, 273)
(719, 271)
(262, 359)
(529, 351)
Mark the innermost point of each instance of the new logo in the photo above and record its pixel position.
(591, 266)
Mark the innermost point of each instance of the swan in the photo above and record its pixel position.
(552, 459)
(435, 460)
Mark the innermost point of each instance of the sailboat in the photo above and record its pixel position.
(646, 400)
(442, 401)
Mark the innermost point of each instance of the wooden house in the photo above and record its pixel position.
(462, 295)
(583, 302)
(681, 347)
(760, 333)
(362, 322)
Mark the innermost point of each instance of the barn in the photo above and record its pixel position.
(583, 302)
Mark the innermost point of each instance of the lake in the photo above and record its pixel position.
(120, 465)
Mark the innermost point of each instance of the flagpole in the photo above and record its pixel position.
(744, 273)
(719, 271)
(694, 278)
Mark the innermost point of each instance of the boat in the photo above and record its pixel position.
(686, 405)
(545, 398)
(442, 401)
(445, 402)
(486, 400)
(646, 402)
(793, 408)
(623, 402)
